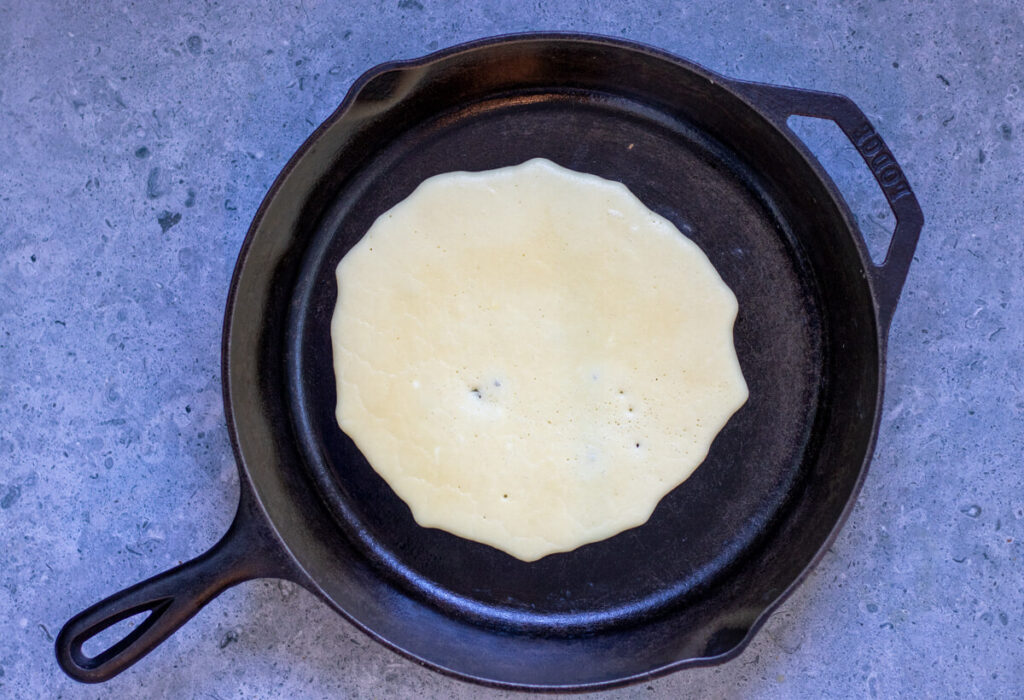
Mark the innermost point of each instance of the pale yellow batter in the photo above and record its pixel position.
(530, 357)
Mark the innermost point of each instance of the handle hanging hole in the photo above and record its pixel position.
(847, 168)
(113, 635)
(104, 640)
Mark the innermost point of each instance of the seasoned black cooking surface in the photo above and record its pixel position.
(700, 528)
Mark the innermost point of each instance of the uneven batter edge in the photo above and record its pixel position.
(530, 357)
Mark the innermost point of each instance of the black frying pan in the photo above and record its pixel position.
(690, 586)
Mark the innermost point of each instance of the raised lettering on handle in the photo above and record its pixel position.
(878, 157)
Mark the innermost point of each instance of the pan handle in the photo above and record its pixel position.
(782, 102)
(171, 599)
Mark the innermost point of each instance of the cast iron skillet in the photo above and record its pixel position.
(693, 584)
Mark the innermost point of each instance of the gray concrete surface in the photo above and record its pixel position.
(136, 141)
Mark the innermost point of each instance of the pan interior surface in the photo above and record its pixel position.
(702, 530)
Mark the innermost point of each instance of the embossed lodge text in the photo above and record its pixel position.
(881, 162)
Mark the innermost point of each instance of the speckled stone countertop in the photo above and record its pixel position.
(137, 140)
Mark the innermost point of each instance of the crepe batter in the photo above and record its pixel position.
(530, 357)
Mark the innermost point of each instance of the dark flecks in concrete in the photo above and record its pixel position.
(971, 511)
(872, 608)
(190, 198)
(142, 152)
(153, 187)
(32, 258)
(12, 495)
(1006, 130)
(410, 5)
(981, 155)
(943, 78)
(230, 638)
(194, 44)
(168, 219)
(229, 205)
